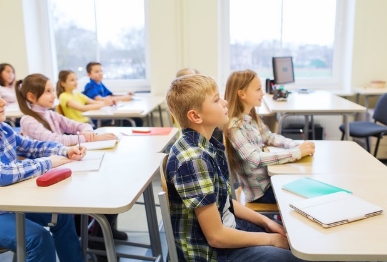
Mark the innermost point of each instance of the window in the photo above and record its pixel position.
(306, 30)
(111, 32)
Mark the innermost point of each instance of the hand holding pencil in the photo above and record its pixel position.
(307, 147)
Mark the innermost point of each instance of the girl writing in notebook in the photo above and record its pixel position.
(36, 98)
(245, 135)
(37, 158)
(73, 103)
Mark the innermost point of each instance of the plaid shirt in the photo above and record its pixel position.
(197, 175)
(36, 153)
(248, 140)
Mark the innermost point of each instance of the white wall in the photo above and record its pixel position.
(370, 42)
(185, 34)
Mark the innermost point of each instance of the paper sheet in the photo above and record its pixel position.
(91, 162)
(99, 144)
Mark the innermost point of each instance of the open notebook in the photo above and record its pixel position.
(336, 209)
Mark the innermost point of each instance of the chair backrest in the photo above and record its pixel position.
(164, 206)
(380, 112)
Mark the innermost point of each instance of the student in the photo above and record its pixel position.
(73, 103)
(36, 96)
(245, 135)
(208, 225)
(186, 71)
(39, 157)
(7, 80)
(96, 90)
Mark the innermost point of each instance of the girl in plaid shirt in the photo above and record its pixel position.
(245, 136)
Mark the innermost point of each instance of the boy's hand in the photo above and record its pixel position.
(278, 240)
(74, 153)
(307, 148)
(89, 136)
(59, 160)
(106, 136)
(273, 227)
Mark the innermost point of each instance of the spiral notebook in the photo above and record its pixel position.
(336, 209)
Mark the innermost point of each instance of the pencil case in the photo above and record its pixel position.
(53, 176)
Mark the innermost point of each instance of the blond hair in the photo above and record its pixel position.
(238, 80)
(187, 93)
(186, 71)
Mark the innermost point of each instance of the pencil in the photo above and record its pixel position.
(302, 134)
(79, 141)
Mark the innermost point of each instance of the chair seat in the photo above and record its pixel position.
(364, 129)
(258, 207)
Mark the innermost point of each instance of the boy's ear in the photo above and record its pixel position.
(31, 97)
(194, 117)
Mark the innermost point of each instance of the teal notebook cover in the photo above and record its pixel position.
(309, 187)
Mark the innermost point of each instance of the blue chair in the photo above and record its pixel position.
(366, 129)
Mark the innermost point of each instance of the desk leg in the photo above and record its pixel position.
(151, 217)
(366, 105)
(346, 123)
(84, 235)
(107, 236)
(306, 127)
(20, 236)
(161, 116)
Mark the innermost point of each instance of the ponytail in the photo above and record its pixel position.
(35, 84)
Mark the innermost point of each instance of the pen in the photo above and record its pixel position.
(79, 141)
(302, 134)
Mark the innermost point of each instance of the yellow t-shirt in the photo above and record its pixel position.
(71, 112)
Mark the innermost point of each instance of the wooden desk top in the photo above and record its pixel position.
(113, 189)
(314, 103)
(370, 90)
(140, 143)
(333, 157)
(134, 108)
(362, 240)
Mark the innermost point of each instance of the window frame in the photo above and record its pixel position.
(341, 58)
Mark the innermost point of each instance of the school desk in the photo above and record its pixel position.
(142, 142)
(362, 240)
(314, 103)
(143, 107)
(113, 189)
(332, 157)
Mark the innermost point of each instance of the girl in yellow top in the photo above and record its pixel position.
(73, 103)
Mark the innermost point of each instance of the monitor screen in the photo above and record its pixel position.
(283, 70)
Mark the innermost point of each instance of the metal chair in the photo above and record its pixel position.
(366, 129)
(164, 206)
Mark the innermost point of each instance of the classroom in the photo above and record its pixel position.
(196, 34)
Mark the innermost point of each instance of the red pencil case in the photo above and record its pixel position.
(53, 176)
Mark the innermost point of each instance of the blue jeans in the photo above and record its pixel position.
(40, 245)
(258, 253)
(268, 197)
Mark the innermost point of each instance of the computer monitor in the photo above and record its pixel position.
(283, 70)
